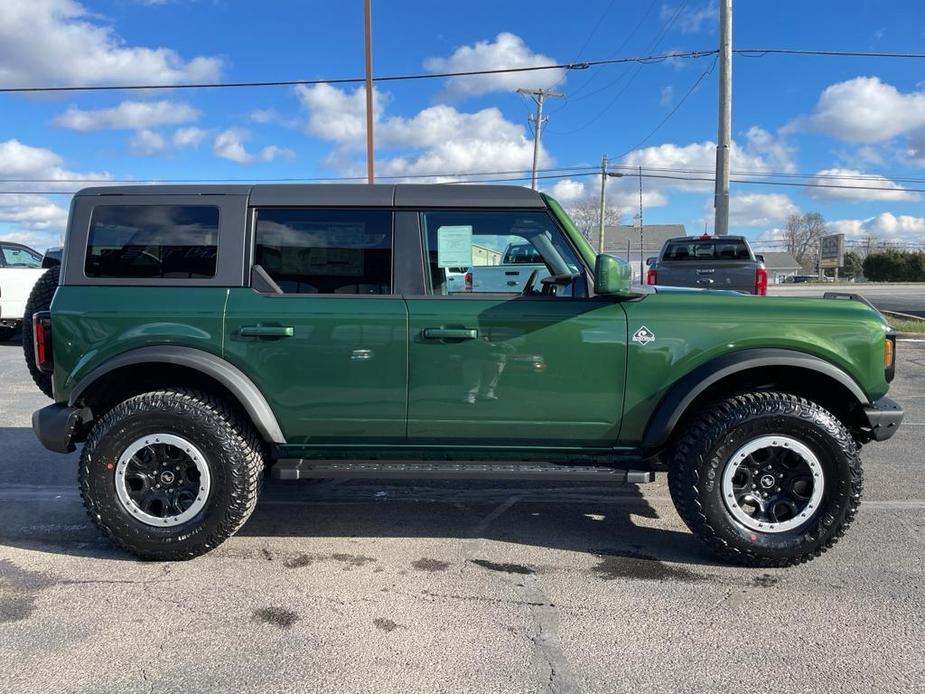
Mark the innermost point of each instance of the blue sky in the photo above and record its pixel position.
(837, 118)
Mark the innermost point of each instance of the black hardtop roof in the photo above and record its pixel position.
(345, 194)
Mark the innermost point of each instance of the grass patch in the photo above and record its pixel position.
(907, 326)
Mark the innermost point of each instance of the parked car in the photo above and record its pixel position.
(20, 268)
(709, 262)
(200, 335)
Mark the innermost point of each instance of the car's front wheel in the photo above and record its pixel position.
(170, 474)
(766, 479)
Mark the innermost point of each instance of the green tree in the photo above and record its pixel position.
(894, 266)
(853, 266)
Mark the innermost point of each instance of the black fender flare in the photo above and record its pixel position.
(686, 389)
(240, 386)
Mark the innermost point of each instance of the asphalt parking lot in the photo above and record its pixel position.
(452, 586)
(904, 298)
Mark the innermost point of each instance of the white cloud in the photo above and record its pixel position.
(33, 212)
(129, 115)
(436, 141)
(151, 142)
(229, 144)
(146, 142)
(23, 161)
(337, 115)
(61, 42)
(694, 19)
(568, 191)
(263, 115)
(756, 209)
(761, 152)
(865, 110)
(34, 219)
(915, 152)
(853, 189)
(883, 227)
(667, 95)
(188, 137)
(619, 194)
(506, 51)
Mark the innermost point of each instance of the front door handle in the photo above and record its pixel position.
(267, 331)
(450, 333)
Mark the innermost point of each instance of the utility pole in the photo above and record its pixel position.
(604, 175)
(642, 273)
(370, 167)
(538, 96)
(721, 196)
(600, 238)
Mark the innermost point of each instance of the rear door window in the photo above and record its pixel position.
(703, 249)
(318, 251)
(153, 241)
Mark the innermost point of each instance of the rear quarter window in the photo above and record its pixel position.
(153, 241)
(702, 249)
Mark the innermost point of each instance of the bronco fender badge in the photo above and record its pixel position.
(643, 336)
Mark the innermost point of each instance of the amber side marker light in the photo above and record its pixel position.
(889, 357)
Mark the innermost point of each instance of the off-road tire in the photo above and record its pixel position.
(700, 454)
(228, 443)
(39, 300)
(6, 333)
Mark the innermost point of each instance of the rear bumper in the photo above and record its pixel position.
(883, 418)
(56, 425)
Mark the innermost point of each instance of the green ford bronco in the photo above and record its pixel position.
(199, 336)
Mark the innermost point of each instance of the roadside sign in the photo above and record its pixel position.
(832, 251)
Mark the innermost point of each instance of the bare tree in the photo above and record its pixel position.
(586, 214)
(802, 234)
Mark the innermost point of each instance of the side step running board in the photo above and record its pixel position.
(294, 469)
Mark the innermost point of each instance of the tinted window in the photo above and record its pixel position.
(720, 249)
(146, 241)
(326, 251)
(499, 251)
(17, 256)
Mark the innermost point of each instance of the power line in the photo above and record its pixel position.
(286, 180)
(576, 170)
(787, 183)
(525, 177)
(668, 116)
(780, 174)
(761, 52)
(582, 65)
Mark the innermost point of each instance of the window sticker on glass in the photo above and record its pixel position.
(454, 246)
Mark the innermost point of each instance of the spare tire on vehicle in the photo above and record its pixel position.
(39, 300)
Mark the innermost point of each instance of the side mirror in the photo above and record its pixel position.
(651, 260)
(612, 276)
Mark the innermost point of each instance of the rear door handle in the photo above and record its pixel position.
(450, 333)
(267, 331)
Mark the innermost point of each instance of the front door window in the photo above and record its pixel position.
(504, 252)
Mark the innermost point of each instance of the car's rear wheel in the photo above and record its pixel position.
(39, 299)
(766, 479)
(170, 474)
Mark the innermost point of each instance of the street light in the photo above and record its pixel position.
(605, 174)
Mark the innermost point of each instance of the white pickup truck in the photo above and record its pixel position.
(20, 269)
(518, 263)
